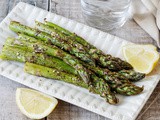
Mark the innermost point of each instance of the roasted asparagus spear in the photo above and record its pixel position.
(132, 75)
(77, 50)
(104, 60)
(98, 86)
(38, 47)
(123, 75)
(53, 52)
(53, 73)
(127, 89)
(17, 54)
(42, 27)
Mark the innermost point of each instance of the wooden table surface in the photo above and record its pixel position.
(65, 111)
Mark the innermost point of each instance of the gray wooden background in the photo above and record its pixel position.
(65, 111)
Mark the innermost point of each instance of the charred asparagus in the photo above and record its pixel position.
(104, 60)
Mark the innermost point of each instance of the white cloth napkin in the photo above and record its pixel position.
(147, 14)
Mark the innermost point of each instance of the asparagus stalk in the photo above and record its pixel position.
(54, 51)
(53, 73)
(38, 47)
(16, 54)
(108, 61)
(103, 88)
(127, 89)
(99, 71)
(98, 85)
(53, 32)
(24, 43)
(42, 27)
(78, 51)
(132, 75)
(118, 82)
(123, 75)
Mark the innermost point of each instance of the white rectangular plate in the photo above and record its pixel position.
(127, 109)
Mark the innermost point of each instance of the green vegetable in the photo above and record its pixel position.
(53, 73)
(38, 47)
(98, 86)
(107, 61)
(132, 75)
(76, 50)
(16, 54)
(123, 75)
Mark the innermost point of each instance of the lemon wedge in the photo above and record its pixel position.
(34, 104)
(143, 58)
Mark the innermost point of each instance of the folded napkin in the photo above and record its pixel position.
(147, 15)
